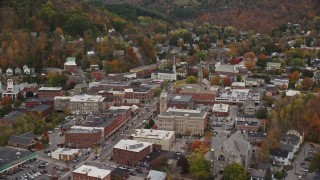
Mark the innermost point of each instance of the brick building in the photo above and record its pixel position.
(247, 125)
(200, 94)
(83, 138)
(220, 110)
(50, 92)
(70, 65)
(91, 173)
(41, 110)
(110, 120)
(129, 152)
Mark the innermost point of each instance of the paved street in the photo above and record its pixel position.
(122, 133)
(299, 158)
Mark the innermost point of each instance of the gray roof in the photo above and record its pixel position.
(290, 139)
(83, 131)
(9, 156)
(258, 134)
(287, 147)
(41, 107)
(249, 101)
(13, 115)
(166, 71)
(236, 144)
(279, 153)
(28, 135)
(264, 166)
(258, 173)
(82, 85)
(20, 140)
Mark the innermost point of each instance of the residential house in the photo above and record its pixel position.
(293, 138)
(257, 174)
(280, 156)
(273, 66)
(17, 71)
(9, 72)
(237, 149)
(156, 175)
(252, 82)
(118, 53)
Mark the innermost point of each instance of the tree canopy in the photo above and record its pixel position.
(234, 171)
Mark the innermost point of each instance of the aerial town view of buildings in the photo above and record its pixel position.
(159, 90)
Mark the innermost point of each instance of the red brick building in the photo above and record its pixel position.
(200, 94)
(31, 103)
(42, 110)
(129, 152)
(50, 92)
(110, 119)
(83, 138)
(247, 125)
(70, 65)
(86, 172)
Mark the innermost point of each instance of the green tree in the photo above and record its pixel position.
(268, 175)
(262, 63)
(315, 163)
(151, 123)
(278, 175)
(17, 103)
(239, 78)
(262, 113)
(158, 91)
(234, 171)
(147, 126)
(191, 80)
(199, 166)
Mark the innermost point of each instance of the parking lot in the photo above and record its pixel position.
(35, 170)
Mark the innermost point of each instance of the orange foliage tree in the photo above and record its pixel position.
(227, 81)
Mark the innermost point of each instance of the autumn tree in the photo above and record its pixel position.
(195, 145)
(249, 65)
(216, 80)
(294, 76)
(249, 56)
(283, 87)
(306, 83)
(159, 163)
(227, 81)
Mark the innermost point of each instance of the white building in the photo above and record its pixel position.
(156, 175)
(220, 109)
(236, 96)
(280, 82)
(273, 66)
(163, 138)
(91, 172)
(65, 154)
(81, 104)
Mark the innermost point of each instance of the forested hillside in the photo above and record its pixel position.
(260, 15)
(43, 33)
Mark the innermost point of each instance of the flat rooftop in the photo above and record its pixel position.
(10, 156)
(83, 131)
(67, 151)
(220, 108)
(87, 98)
(152, 134)
(179, 98)
(132, 145)
(184, 112)
(92, 171)
(50, 89)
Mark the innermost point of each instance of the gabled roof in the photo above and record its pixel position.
(236, 144)
(28, 135)
(20, 140)
(279, 153)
